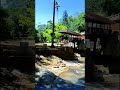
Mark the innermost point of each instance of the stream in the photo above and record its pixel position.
(67, 77)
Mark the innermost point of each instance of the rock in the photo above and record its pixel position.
(1, 88)
(56, 67)
(16, 89)
(38, 57)
(14, 80)
(46, 79)
(81, 82)
(48, 86)
(103, 69)
(16, 73)
(46, 62)
(41, 56)
(10, 87)
(21, 88)
(63, 65)
(55, 58)
(6, 75)
(61, 68)
(40, 73)
(36, 68)
(59, 82)
(37, 73)
(78, 55)
(36, 79)
(79, 58)
(4, 71)
(60, 61)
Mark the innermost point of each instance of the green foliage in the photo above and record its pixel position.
(79, 23)
(49, 25)
(65, 18)
(27, 23)
(20, 18)
(47, 33)
(58, 28)
(111, 7)
(39, 35)
(4, 30)
(36, 36)
(103, 7)
(74, 23)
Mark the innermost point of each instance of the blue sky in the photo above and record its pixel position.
(44, 9)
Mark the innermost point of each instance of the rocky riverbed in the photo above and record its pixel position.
(13, 79)
(53, 72)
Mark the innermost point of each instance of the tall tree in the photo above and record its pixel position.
(111, 7)
(21, 17)
(95, 6)
(4, 31)
(103, 7)
(77, 23)
(65, 18)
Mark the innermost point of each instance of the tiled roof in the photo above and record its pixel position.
(114, 17)
(69, 32)
(96, 18)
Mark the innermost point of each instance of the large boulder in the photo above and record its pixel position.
(61, 83)
(46, 80)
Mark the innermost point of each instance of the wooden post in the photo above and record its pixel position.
(52, 45)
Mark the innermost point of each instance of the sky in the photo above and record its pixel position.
(44, 9)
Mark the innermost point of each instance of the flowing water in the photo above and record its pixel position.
(70, 77)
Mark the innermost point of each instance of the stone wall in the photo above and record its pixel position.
(64, 53)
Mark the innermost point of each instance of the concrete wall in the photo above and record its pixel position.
(17, 42)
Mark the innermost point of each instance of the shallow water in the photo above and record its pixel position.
(70, 81)
(76, 80)
(69, 77)
(78, 71)
(56, 88)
